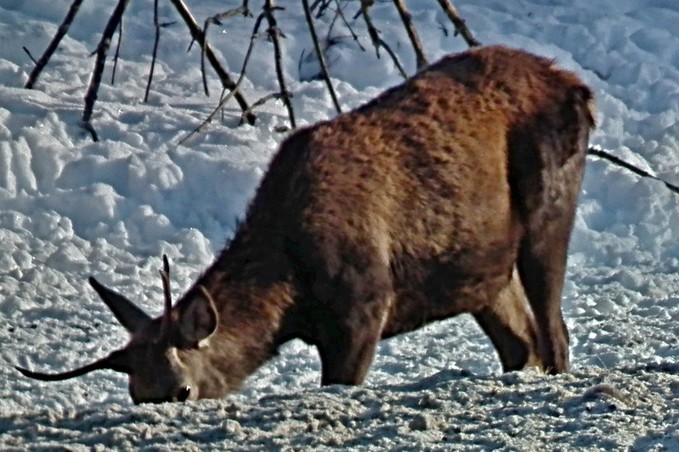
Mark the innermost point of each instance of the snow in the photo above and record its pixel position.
(70, 208)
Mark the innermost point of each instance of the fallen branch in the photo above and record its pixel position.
(199, 35)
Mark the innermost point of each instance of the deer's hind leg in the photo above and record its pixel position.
(547, 161)
(508, 321)
(548, 216)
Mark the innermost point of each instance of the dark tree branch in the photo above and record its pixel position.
(320, 56)
(217, 109)
(95, 80)
(340, 13)
(61, 32)
(459, 24)
(376, 40)
(197, 35)
(115, 57)
(406, 18)
(255, 35)
(261, 101)
(28, 52)
(274, 32)
(154, 52)
(322, 5)
(598, 152)
(217, 20)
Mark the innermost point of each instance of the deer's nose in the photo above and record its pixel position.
(183, 394)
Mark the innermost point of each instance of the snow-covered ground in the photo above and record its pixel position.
(70, 208)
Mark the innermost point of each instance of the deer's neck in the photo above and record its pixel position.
(252, 290)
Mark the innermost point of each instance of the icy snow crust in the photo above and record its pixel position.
(70, 208)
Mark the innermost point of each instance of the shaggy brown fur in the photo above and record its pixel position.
(454, 192)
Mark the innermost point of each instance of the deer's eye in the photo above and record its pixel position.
(183, 394)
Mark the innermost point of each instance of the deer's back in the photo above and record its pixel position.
(414, 189)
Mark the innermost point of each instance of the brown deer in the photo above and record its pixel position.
(452, 193)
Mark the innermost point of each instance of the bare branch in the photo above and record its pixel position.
(217, 20)
(154, 52)
(61, 32)
(115, 57)
(406, 18)
(597, 151)
(224, 100)
(28, 52)
(89, 129)
(322, 5)
(458, 22)
(197, 35)
(274, 32)
(102, 49)
(262, 100)
(376, 40)
(320, 56)
(215, 111)
(340, 13)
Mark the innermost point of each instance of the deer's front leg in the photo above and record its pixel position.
(349, 341)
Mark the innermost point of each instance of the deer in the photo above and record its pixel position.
(454, 192)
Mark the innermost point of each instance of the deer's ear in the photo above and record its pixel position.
(198, 320)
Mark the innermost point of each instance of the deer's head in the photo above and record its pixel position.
(160, 358)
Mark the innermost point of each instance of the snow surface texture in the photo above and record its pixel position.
(70, 208)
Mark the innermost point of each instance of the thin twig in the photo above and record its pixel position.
(596, 151)
(102, 49)
(61, 32)
(332, 40)
(274, 32)
(154, 52)
(224, 100)
(28, 52)
(214, 112)
(217, 20)
(324, 4)
(262, 100)
(320, 56)
(340, 13)
(197, 35)
(115, 57)
(377, 41)
(407, 20)
(458, 22)
(333, 21)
